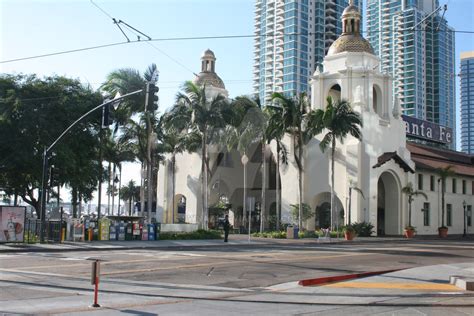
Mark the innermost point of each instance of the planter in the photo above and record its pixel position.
(409, 233)
(349, 235)
(443, 232)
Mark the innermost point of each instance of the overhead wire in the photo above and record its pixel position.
(137, 32)
(188, 39)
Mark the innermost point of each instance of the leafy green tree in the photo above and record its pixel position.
(339, 120)
(130, 193)
(411, 193)
(33, 113)
(293, 113)
(444, 173)
(200, 117)
(306, 213)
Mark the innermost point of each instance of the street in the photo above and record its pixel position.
(228, 279)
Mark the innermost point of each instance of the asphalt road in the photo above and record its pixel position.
(201, 280)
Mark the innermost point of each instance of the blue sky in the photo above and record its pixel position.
(38, 27)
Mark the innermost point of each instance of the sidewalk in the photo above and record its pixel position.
(234, 241)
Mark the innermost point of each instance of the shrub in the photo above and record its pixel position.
(308, 234)
(363, 229)
(199, 234)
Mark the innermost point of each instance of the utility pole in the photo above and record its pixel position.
(150, 103)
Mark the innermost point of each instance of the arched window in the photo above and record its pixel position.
(376, 99)
(335, 92)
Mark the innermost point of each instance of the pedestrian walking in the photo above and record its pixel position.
(226, 228)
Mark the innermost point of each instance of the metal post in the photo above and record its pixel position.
(95, 281)
(43, 194)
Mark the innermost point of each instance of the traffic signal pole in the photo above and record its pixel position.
(150, 100)
(48, 150)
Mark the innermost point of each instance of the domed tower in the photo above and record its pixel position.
(208, 77)
(350, 39)
(351, 71)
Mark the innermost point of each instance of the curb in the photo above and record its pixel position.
(338, 278)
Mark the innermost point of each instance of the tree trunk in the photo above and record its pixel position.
(278, 210)
(109, 169)
(333, 207)
(264, 183)
(113, 188)
(142, 190)
(74, 202)
(204, 215)
(173, 209)
(409, 211)
(300, 179)
(350, 204)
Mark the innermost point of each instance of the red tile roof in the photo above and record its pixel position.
(430, 158)
(393, 155)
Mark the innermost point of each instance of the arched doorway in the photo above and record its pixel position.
(323, 215)
(322, 211)
(388, 205)
(180, 202)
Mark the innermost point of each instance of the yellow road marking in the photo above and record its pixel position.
(400, 286)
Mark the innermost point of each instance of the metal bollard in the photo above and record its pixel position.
(95, 281)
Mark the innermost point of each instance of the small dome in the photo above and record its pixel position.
(209, 79)
(350, 10)
(208, 54)
(350, 40)
(350, 43)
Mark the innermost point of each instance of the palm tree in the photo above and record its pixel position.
(444, 173)
(339, 120)
(123, 81)
(293, 113)
(274, 132)
(200, 116)
(245, 129)
(411, 193)
(130, 193)
(174, 142)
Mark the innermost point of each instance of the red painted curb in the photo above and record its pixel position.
(337, 278)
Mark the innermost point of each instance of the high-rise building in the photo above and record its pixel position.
(416, 46)
(467, 102)
(292, 38)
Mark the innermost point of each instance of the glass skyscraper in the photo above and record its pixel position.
(418, 54)
(467, 102)
(292, 38)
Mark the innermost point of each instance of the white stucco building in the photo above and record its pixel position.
(380, 165)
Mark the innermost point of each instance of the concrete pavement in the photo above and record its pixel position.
(234, 240)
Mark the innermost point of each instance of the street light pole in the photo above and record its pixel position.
(464, 206)
(48, 150)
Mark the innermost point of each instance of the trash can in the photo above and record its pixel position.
(292, 232)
